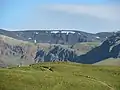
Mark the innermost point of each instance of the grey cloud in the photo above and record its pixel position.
(111, 12)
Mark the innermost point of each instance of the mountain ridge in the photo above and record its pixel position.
(50, 52)
(57, 36)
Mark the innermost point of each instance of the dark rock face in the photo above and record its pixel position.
(115, 52)
(9, 52)
(58, 53)
(39, 55)
(109, 48)
(6, 49)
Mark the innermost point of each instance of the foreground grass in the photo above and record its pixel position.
(60, 76)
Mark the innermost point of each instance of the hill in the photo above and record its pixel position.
(60, 76)
(110, 61)
(84, 47)
(14, 51)
(57, 36)
(110, 48)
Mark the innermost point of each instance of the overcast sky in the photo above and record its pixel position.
(85, 15)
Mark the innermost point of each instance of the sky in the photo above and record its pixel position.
(84, 15)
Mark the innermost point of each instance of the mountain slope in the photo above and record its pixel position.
(56, 36)
(110, 48)
(60, 76)
(87, 52)
(110, 61)
(13, 51)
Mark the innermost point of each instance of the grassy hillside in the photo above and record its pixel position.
(84, 47)
(60, 76)
(13, 41)
(110, 61)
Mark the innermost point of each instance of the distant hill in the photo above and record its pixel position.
(15, 50)
(57, 36)
(11, 51)
(110, 62)
(110, 48)
(84, 47)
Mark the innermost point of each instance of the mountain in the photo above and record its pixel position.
(110, 48)
(23, 51)
(13, 51)
(56, 36)
(16, 52)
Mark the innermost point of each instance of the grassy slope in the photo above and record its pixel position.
(13, 41)
(84, 47)
(64, 76)
(110, 61)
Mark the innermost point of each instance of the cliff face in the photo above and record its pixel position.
(57, 53)
(110, 48)
(15, 54)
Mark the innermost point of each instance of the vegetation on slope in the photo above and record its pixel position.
(60, 76)
(85, 47)
(110, 61)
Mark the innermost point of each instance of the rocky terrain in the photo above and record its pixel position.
(110, 48)
(13, 54)
(21, 52)
(56, 36)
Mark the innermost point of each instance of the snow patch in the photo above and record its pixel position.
(36, 32)
(67, 32)
(35, 41)
(54, 31)
(63, 32)
(29, 38)
(98, 37)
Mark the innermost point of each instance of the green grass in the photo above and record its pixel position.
(110, 61)
(60, 76)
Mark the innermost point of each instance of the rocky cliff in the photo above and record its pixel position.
(110, 48)
(11, 53)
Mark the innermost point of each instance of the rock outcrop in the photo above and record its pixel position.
(57, 53)
(110, 48)
(11, 53)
